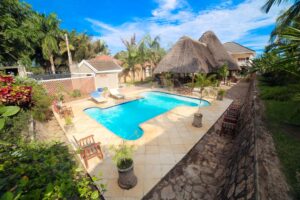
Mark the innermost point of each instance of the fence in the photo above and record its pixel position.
(84, 84)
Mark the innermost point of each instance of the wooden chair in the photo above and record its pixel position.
(89, 149)
(228, 128)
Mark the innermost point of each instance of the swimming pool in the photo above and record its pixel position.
(124, 119)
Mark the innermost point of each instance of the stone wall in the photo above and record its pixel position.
(240, 177)
(218, 167)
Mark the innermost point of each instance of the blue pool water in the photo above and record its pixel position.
(124, 119)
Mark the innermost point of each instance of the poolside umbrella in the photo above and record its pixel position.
(218, 50)
(187, 56)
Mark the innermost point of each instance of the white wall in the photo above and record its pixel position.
(109, 80)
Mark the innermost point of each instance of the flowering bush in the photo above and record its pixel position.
(13, 94)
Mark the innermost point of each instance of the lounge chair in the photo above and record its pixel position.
(96, 96)
(116, 94)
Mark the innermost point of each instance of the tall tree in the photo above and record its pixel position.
(156, 53)
(130, 57)
(50, 33)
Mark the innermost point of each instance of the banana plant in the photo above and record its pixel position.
(7, 111)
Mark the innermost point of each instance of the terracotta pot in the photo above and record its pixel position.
(127, 178)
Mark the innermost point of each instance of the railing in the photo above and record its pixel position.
(49, 76)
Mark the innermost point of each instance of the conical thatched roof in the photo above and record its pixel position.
(187, 56)
(218, 51)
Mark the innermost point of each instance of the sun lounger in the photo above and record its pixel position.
(116, 94)
(96, 96)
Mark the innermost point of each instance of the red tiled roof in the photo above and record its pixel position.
(104, 63)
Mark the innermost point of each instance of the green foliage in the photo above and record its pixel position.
(288, 149)
(223, 72)
(7, 111)
(221, 92)
(29, 37)
(68, 120)
(122, 155)
(280, 93)
(76, 93)
(15, 127)
(41, 100)
(42, 171)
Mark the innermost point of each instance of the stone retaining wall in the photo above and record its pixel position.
(218, 167)
(240, 178)
(243, 167)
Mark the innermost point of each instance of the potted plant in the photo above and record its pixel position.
(123, 159)
(68, 123)
(220, 94)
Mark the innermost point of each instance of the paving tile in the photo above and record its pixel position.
(167, 158)
(152, 149)
(152, 171)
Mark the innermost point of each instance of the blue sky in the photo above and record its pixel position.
(232, 20)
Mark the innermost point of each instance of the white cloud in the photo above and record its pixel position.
(174, 18)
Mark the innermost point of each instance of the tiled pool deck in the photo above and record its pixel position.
(167, 138)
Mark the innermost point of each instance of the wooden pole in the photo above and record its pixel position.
(193, 80)
(69, 52)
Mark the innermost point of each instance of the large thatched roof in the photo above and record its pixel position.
(187, 56)
(191, 56)
(218, 51)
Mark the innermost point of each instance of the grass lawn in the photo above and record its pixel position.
(283, 120)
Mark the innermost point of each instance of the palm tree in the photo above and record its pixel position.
(223, 72)
(143, 56)
(50, 29)
(156, 53)
(130, 57)
(289, 15)
(100, 47)
(202, 81)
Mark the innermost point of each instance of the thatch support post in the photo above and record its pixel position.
(193, 80)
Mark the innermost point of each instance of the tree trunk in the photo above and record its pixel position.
(133, 75)
(69, 52)
(52, 64)
(193, 79)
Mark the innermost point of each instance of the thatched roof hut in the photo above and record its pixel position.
(191, 56)
(187, 56)
(218, 51)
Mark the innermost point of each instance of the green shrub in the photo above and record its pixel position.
(76, 93)
(122, 155)
(42, 171)
(41, 101)
(15, 127)
(279, 93)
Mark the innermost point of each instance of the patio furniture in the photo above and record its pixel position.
(97, 96)
(228, 128)
(116, 94)
(89, 148)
